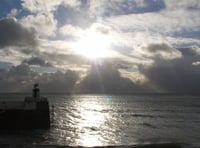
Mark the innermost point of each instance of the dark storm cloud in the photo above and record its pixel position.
(177, 75)
(154, 48)
(37, 61)
(21, 78)
(14, 34)
(59, 82)
(174, 75)
(162, 50)
(105, 78)
(16, 78)
(20, 70)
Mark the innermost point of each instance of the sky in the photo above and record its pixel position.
(100, 46)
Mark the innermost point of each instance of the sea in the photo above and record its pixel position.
(102, 120)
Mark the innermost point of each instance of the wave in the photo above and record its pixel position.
(147, 125)
(143, 115)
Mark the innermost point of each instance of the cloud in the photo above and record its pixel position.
(37, 61)
(105, 8)
(13, 13)
(16, 79)
(163, 75)
(42, 17)
(70, 30)
(65, 60)
(105, 78)
(72, 3)
(161, 51)
(171, 4)
(59, 82)
(100, 28)
(21, 78)
(44, 24)
(5, 65)
(197, 63)
(14, 34)
(59, 52)
(74, 16)
(143, 33)
(169, 21)
(78, 32)
(35, 6)
(172, 27)
(20, 71)
(196, 49)
(177, 75)
(47, 6)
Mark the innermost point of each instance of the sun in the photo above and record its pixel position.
(94, 44)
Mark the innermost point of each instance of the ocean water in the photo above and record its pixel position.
(100, 120)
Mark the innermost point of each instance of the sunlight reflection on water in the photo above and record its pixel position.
(83, 119)
(98, 120)
(91, 122)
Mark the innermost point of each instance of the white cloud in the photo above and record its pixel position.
(44, 24)
(46, 6)
(134, 76)
(182, 42)
(13, 13)
(197, 63)
(42, 18)
(72, 3)
(71, 30)
(196, 49)
(165, 22)
(36, 6)
(98, 8)
(172, 27)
